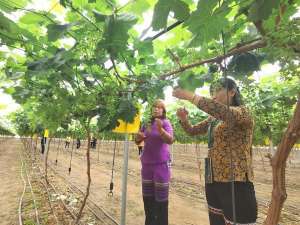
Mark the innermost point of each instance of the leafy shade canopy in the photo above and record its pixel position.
(84, 59)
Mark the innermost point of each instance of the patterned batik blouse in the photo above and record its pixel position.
(232, 136)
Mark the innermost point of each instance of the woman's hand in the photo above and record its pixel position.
(158, 125)
(140, 136)
(182, 114)
(182, 94)
(167, 138)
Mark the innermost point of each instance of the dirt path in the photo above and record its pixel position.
(187, 200)
(183, 210)
(11, 183)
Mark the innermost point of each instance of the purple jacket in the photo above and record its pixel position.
(155, 149)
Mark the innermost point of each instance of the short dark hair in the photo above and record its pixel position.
(229, 84)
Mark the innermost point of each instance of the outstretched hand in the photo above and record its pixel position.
(182, 114)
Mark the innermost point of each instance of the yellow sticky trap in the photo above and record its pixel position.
(46, 133)
(129, 128)
(267, 141)
(131, 138)
(55, 6)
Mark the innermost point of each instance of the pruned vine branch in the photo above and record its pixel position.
(260, 43)
(174, 57)
(171, 27)
(278, 163)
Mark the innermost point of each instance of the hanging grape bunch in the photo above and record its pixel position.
(243, 64)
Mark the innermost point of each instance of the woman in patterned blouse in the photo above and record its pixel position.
(230, 132)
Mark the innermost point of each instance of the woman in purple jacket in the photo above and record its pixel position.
(157, 136)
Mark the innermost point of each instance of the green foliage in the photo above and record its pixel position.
(262, 9)
(144, 47)
(162, 10)
(139, 6)
(190, 81)
(63, 2)
(60, 58)
(33, 18)
(10, 6)
(126, 110)
(151, 89)
(5, 131)
(207, 21)
(64, 73)
(22, 124)
(8, 26)
(195, 117)
(79, 3)
(99, 16)
(116, 32)
(56, 31)
(213, 68)
(272, 105)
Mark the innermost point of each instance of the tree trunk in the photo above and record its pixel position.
(35, 147)
(70, 166)
(271, 146)
(57, 150)
(278, 163)
(88, 175)
(46, 160)
(31, 145)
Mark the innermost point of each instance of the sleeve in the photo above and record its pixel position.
(198, 129)
(237, 115)
(168, 127)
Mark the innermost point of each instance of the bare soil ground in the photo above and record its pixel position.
(184, 209)
(11, 185)
(187, 199)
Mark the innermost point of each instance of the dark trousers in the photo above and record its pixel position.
(219, 200)
(43, 142)
(43, 148)
(140, 149)
(156, 213)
